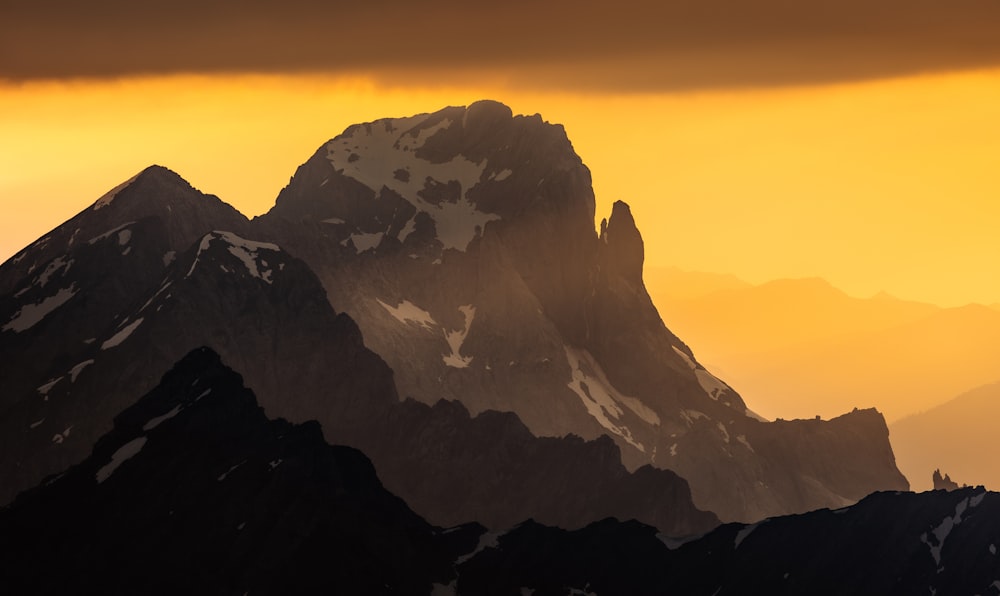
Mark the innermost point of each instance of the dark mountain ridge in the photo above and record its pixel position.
(194, 490)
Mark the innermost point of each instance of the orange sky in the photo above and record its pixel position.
(879, 185)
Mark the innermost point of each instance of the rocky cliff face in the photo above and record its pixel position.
(477, 274)
(460, 246)
(132, 314)
(127, 305)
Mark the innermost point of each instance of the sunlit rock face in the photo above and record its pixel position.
(463, 244)
(97, 324)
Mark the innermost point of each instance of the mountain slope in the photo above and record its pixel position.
(957, 437)
(477, 274)
(462, 244)
(194, 489)
(68, 376)
(184, 212)
(86, 361)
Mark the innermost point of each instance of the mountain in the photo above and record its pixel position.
(476, 273)
(184, 213)
(956, 437)
(194, 489)
(459, 255)
(889, 543)
(132, 312)
(797, 348)
(133, 315)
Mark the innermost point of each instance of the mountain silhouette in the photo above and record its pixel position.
(802, 347)
(956, 436)
(195, 490)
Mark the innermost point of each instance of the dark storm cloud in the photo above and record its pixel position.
(628, 44)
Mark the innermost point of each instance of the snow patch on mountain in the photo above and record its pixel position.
(206, 241)
(44, 389)
(59, 438)
(123, 454)
(592, 367)
(364, 242)
(159, 291)
(156, 421)
(711, 384)
(76, 370)
(122, 335)
(941, 532)
(674, 543)
(373, 154)
(501, 175)
(51, 269)
(690, 416)
(455, 340)
(231, 469)
(108, 234)
(411, 225)
(410, 312)
(247, 251)
(31, 314)
(976, 500)
(487, 540)
(742, 534)
(602, 401)
(723, 431)
(109, 196)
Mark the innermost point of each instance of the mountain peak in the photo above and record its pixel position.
(622, 243)
(152, 177)
(436, 181)
(467, 235)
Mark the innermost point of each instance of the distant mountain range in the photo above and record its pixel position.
(800, 347)
(957, 437)
(431, 293)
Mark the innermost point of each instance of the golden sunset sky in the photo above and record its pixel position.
(857, 143)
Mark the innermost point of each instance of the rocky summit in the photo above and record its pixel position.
(476, 272)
